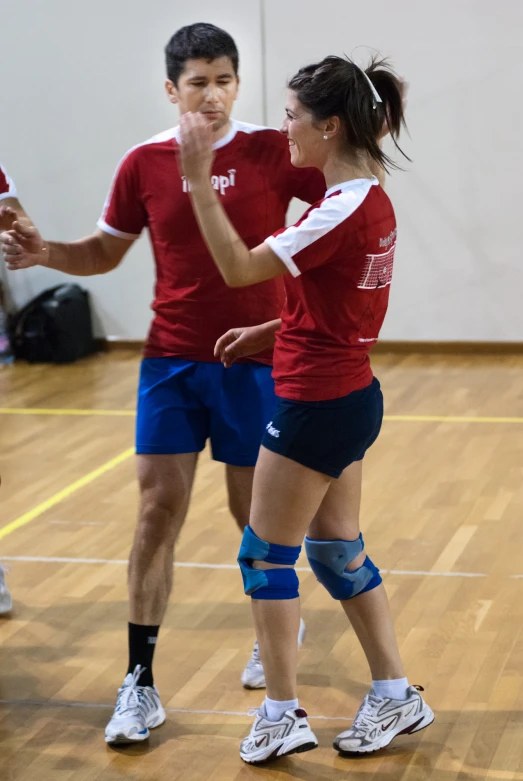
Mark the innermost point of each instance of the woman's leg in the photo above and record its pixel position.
(392, 708)
(286, 496)
(369, 613)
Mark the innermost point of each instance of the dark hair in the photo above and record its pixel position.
(337, 87)
(199, 41)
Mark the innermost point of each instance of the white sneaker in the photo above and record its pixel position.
(253, 676)
(6, 603)
(270, 739)
(138, 709)
(378, 721)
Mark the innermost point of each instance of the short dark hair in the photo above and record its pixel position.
(336, 86)
(199, 41)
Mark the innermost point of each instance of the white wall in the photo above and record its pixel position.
(85, 83)
(81, 84)
(459, 269)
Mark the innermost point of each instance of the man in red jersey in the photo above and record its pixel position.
(185, 395)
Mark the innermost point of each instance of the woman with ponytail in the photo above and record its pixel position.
(337, 264)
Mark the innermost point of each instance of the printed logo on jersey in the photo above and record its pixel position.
(377, 271)
(274, 432)
(221, 183)
(390, 239)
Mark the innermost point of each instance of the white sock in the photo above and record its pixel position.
(274, 709)
(395, 689)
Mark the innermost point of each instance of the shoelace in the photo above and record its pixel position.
(367, 708)
(131, 696)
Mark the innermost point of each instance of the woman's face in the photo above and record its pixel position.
(308, 148)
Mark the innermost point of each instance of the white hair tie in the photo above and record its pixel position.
(371, 85)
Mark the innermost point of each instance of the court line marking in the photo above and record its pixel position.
(455, 765)
(132, 413)
(65, 493)
(105, 706)
(205, 565)
(37, 411)
(450, 419)
(76, 523)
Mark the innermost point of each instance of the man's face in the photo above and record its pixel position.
(208, 87)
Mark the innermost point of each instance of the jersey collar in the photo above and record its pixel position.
(344, 186)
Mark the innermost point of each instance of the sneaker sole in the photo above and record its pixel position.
(278, 754)
(422, 722)
(158, 719)
(123, 740)
(253, 686)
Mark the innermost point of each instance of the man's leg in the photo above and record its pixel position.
(170, 418)
(165, 487)
(165, 490)
(239, 487)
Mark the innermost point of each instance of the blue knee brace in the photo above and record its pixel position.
(275, 583)
(328, 559)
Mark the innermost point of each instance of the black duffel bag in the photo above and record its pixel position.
(55, 327)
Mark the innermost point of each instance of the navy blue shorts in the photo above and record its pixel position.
(183, 403)
(327, 436)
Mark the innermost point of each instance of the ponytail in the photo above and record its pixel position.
(336, 86)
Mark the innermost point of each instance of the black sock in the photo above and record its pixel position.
(142, 642)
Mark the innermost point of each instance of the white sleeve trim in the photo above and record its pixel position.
(318, 223)
(10, 194)
(283, 255)
(114, 232)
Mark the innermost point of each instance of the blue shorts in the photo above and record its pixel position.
(327, 436)
(183, 403)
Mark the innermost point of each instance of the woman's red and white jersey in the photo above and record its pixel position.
(7, 186)
(255, 181)
(340, 255)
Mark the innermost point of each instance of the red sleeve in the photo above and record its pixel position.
(124, 214)
(7, 186)
(307, 184)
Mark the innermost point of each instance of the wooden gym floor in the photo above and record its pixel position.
(442, 515)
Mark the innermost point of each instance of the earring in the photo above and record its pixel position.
(325, 137)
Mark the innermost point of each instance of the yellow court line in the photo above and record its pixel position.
(132, 413)
(40, 411)
(65, 493)
(450, 419)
